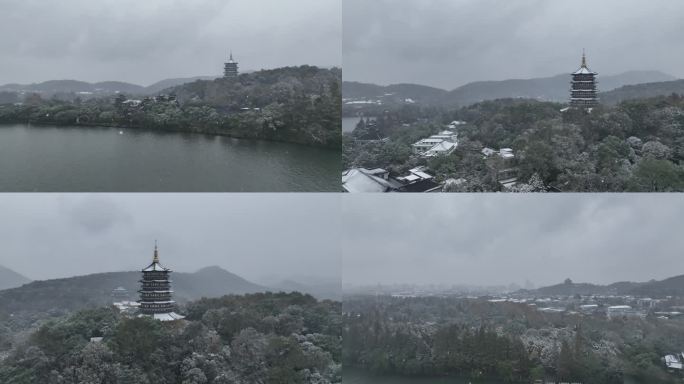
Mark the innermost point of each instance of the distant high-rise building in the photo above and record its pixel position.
(230, 69)
(155, 293)
(583, 93)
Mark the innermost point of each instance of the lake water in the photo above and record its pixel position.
(86, 159)
(349, 123)
(357, 376)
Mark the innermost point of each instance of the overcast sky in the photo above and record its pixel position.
(500, 239)
(447, 43)
(146, 41)
(256, 236)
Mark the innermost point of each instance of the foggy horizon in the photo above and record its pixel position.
(495, 240)
(142, 43)
(50, 236)
(447, 43)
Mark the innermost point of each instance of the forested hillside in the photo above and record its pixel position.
(636, 145)
(294, 104)
(503, 341)
(260, 338)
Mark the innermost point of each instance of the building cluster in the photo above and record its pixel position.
(362, 180)
(443, 143)
(504, 153)
(609, 306)
(140, 104)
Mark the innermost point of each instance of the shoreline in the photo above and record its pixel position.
(151, 129)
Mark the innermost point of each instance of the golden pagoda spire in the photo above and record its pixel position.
(584, 59)
(156, 253)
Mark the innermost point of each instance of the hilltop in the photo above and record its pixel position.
(673, 286)
(102, 88)
(11, 279)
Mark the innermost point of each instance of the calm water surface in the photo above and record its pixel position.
(349, 123)
(85, 159)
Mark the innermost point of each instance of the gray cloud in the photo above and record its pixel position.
(144, 42)
(499, 239)
(253, 235)
(447, 43)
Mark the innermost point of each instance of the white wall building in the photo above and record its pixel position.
(442, 143)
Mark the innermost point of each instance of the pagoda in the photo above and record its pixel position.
(155, 292)
(230, 69)
(583, 93)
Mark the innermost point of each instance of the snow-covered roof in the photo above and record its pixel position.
(429, 141)
(488, 151)
(443, 147)
(410, 178)
(423, 175)
(619, 307)
(155, 266)
(168, 316)
(671, 361)
(584, 71)
(359, 180)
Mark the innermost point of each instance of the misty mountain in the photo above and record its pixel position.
(168, 83)
(11, 279)
(673, 286)
(95, 290)
(104, 87)
(398, 92)
(642, 91)
(554, 88)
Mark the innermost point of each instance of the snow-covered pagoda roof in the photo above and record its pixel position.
(167, 316)
(584, 69)
(156, 266)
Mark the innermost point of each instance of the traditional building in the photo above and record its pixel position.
(120, 294)
(155, 293)
(583, 93)
(230, 69)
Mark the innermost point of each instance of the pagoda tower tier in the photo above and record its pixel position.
(583, 90)
(230, 69)
(156, 296)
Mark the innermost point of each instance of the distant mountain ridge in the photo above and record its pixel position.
(74, 293)
(103, 87)
(642, 91)
(673, 286)
(11, 279)
(555, 88)
(95, 290)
